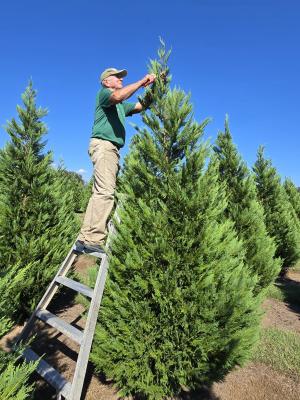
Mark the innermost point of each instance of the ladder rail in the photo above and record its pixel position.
(49, 294)
(88, 334)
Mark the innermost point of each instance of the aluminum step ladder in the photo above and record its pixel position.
(68, 390)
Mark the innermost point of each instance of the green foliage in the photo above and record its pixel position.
(13, 375)
(87, 193)
(294, 195)
(246, 211)
(89, 280)
(274, 292)
(178, 309)
(280, 350)
(37, 222)
(296, 267)
(72, 183)
(13, 381)
(13, 283)
(5, 325)
(281, 219)
(5, 321)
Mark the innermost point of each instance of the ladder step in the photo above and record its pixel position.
(61, 325)
(78, 287)
(62, 386)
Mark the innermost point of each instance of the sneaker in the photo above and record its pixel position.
(87, 247)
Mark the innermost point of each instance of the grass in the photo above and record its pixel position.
(296, 268)
(286, 290)
(277, 348)
(89, 280)
(275, 293)
(280, 350)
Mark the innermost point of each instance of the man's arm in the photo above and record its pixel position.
(124, 93)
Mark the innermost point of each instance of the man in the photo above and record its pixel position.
(108, 136)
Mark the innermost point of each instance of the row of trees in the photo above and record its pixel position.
(200, 241)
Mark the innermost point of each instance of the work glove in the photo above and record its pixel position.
(147, 99)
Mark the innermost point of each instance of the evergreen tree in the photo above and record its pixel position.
(281, 220)
(37, 223)
(246, 211)
(178, 309)
(72, 183)
(294, 196)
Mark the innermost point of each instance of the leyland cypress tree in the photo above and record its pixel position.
(246, 211)
(281, 220)
(37, 223)
(294, 196)
(72, 183)
(178, 308)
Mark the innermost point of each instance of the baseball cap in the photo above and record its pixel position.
(113, 71)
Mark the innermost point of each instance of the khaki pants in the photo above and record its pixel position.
(105, 157)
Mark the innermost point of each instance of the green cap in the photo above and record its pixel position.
(113, 71)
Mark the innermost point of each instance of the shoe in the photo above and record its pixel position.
(87, 247)
(79, 245)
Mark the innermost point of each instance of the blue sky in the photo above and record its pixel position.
(239, 57)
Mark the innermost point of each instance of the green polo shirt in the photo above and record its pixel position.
(109, 122)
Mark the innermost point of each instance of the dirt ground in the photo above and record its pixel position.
(253, 382)
(279, 315)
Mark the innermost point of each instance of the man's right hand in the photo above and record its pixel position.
(148, 79)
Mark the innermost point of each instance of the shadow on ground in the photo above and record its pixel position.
(290, 289)
(204, 393)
